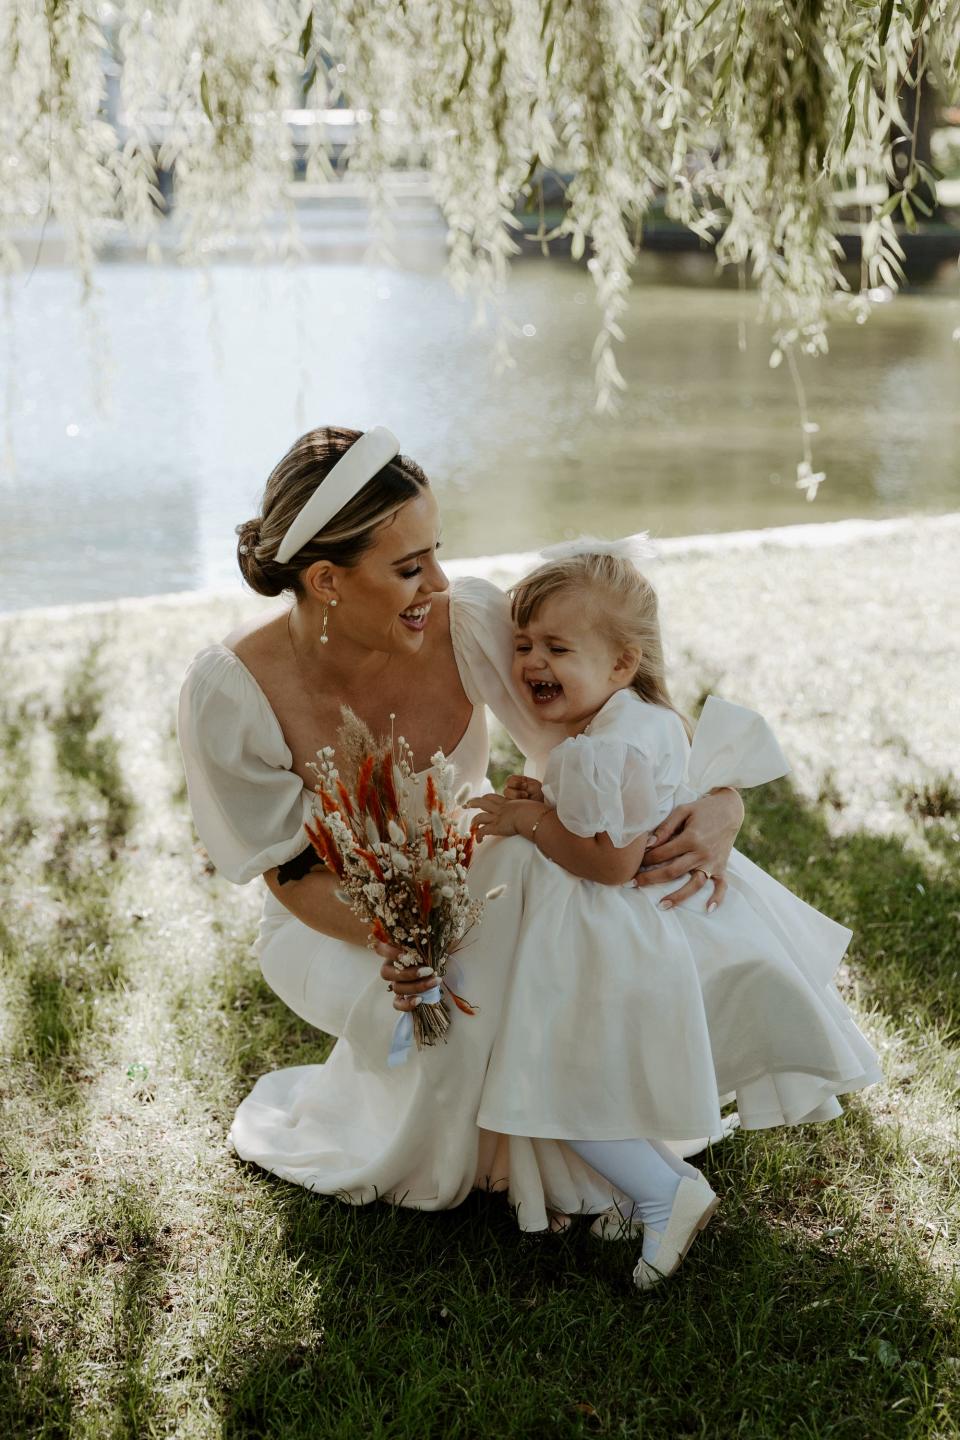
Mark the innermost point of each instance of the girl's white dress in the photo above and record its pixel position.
(624, 1020)
(352, 1126)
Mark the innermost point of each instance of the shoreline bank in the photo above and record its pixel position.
(842, 635)
(512, 564)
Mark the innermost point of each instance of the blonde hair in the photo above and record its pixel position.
(627, 606)
(346, 537)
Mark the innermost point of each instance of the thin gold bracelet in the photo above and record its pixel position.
(533, 832)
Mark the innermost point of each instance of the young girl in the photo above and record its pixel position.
(628, 1017)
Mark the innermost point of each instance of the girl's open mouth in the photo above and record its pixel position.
(416, 617)
(543, 691)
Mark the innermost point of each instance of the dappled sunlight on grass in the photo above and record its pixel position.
(152, 1284)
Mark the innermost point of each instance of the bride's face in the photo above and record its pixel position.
(384, 601)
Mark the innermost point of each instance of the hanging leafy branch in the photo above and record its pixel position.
(740, 116)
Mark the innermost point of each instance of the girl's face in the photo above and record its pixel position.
(384, 601)
(563, 664)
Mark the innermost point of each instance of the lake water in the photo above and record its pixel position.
(141, 432)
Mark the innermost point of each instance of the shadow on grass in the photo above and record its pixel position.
(17, 723)
(126, 1241)
(454, 1325)
(86, 758)
(137, 1396)
(66, 962)
(36, 1394)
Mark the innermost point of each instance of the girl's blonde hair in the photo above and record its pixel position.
(627, 606)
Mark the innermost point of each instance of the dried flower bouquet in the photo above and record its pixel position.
(401, 856)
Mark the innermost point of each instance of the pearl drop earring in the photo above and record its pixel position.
(324, 638)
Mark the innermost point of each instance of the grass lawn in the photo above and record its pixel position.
(152, 1285)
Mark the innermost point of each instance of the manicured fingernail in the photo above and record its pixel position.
(666, 905)
(711, 907)
(651, 841)
(417, 1000)
(424, 970)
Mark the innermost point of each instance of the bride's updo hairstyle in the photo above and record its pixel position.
(346, 537)
(622, 602)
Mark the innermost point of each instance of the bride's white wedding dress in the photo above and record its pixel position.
(352, 1126)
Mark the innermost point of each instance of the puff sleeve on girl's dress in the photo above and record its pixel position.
(602, 786)
(248, 805)
(620, 775)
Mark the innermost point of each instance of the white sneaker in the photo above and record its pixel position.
(693, 1207)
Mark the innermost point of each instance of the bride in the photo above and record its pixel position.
(351, 528)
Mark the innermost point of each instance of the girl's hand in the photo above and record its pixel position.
(521, 787)
(406, 981)
(499, 816)
(694, 840)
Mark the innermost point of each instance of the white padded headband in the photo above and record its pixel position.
(374, 449)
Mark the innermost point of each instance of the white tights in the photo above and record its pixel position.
(640, 1170)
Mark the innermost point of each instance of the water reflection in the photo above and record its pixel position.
(207, 382)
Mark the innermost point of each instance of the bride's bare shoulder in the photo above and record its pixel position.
(255, 639)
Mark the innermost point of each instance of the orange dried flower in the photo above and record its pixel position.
(459, 1001)
(388, 786)
(326, 847)
(364, 777)
(373, 862)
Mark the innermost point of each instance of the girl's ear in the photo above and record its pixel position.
(627, 662)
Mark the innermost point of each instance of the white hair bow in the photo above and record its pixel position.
(632, 547)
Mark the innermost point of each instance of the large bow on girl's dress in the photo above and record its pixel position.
(731, 746)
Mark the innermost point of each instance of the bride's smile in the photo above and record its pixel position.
(416, 617)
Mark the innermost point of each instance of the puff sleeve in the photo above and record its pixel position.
(482, 635)
(602, 785)
(248, 805)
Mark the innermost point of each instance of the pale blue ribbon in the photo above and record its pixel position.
(402, 1042)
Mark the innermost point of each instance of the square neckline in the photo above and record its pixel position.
(415, 774)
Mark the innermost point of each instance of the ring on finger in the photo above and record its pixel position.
(698, 870)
